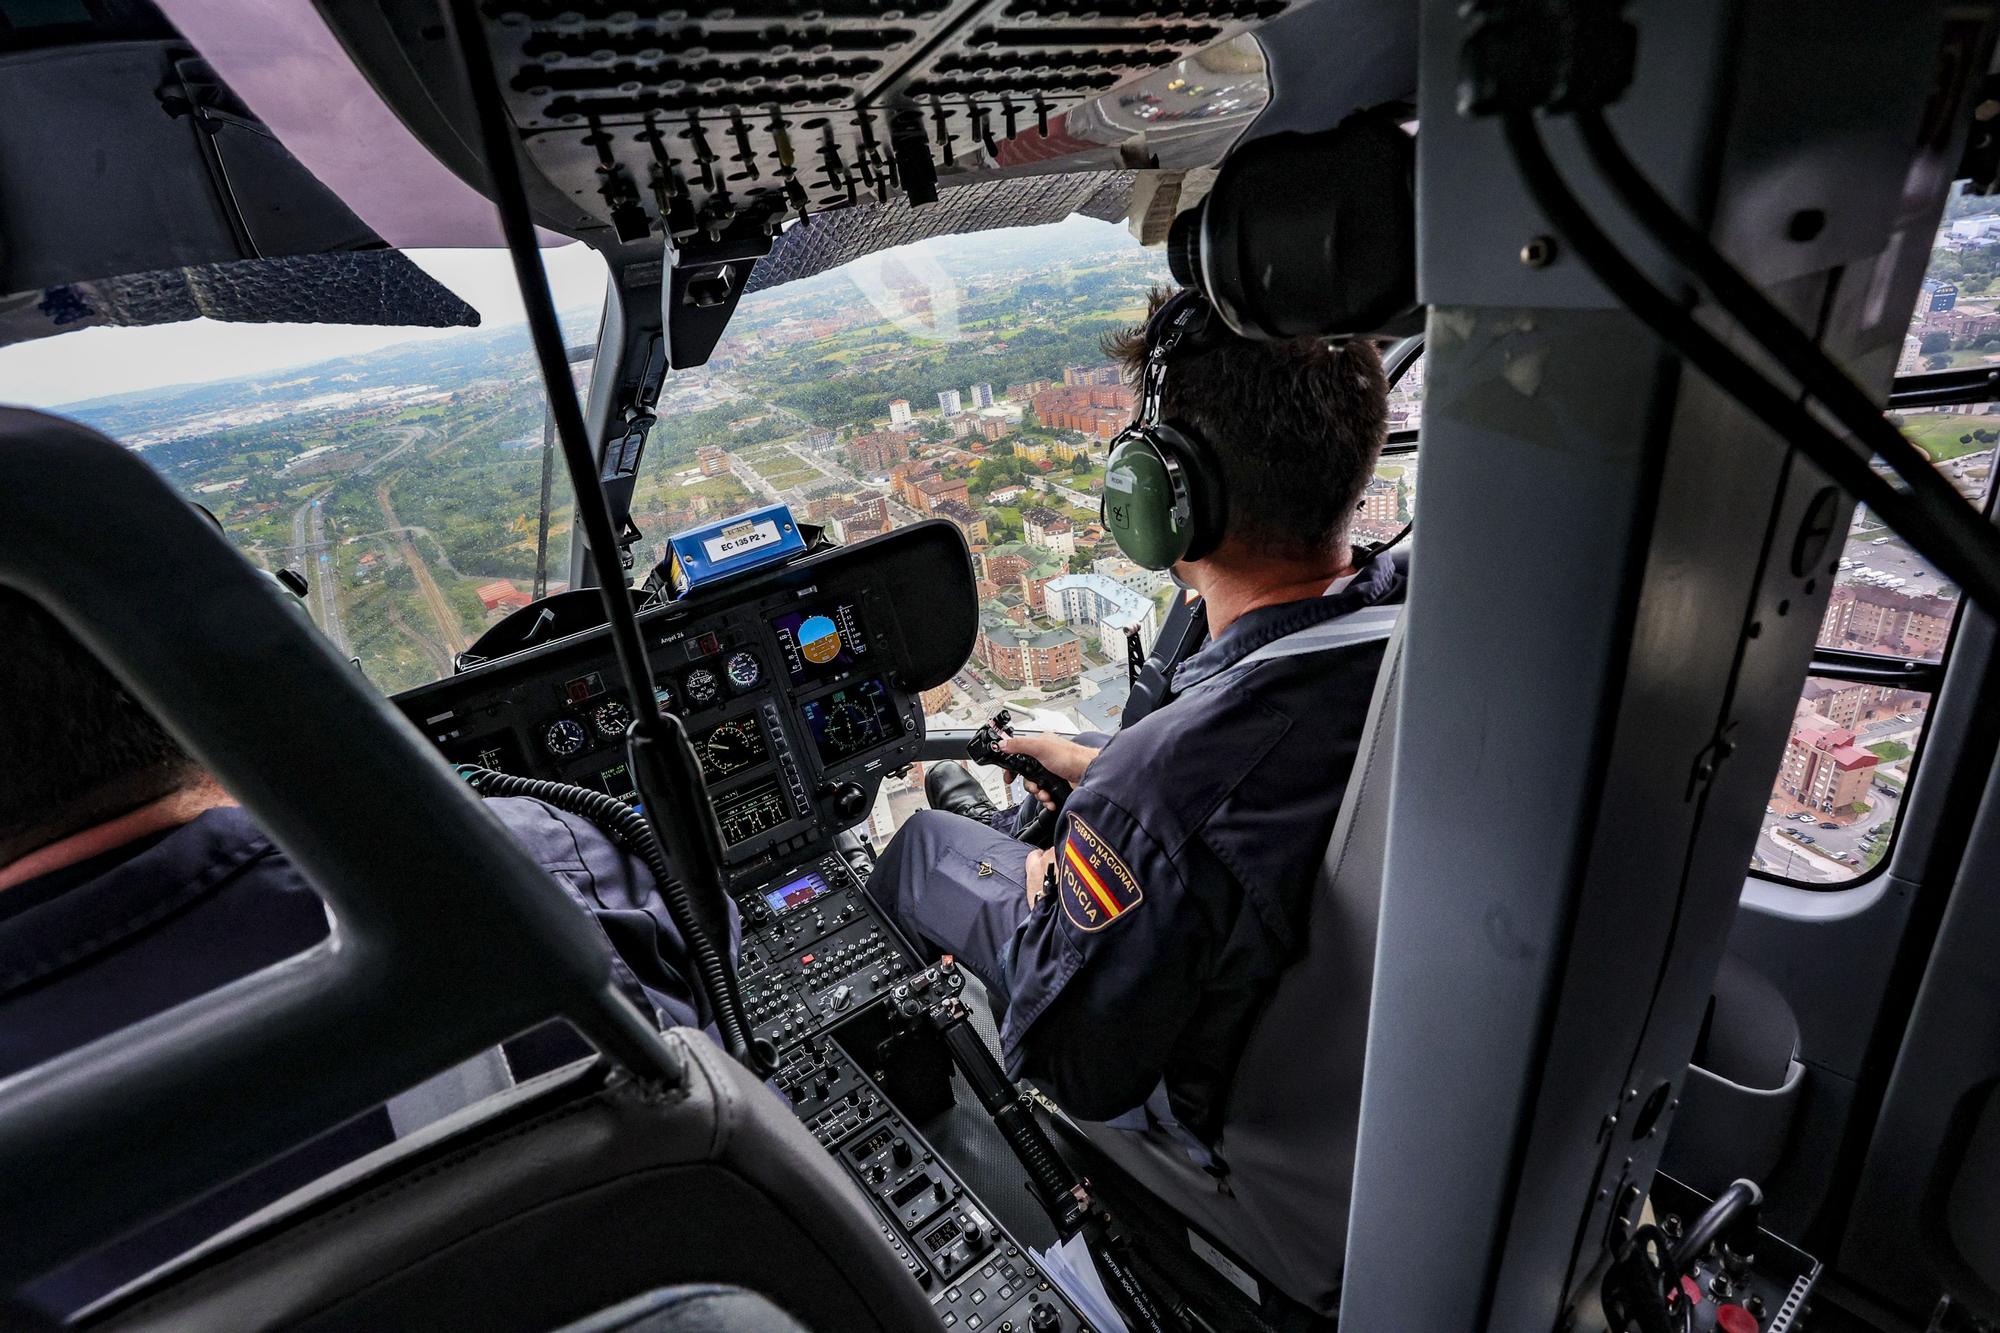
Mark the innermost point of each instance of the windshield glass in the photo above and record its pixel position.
(957, 379)
(401, 470)
(398, 469)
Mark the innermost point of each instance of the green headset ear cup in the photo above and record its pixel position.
(1142, 510)
(1205, 502)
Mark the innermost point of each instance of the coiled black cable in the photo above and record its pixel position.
(714, 979)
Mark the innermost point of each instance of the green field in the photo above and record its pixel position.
(1937, 433)
(784, 480)
(1889, 751)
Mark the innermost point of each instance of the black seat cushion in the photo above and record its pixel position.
(567, 1195)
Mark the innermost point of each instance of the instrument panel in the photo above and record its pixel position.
(795, 702)
(798, 692)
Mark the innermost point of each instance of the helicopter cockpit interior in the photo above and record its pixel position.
(444, 414)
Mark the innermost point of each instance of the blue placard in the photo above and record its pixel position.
(704, 556)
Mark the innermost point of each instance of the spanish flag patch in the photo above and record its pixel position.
(1096, 888)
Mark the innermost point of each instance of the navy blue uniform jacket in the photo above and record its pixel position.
(1185, 863)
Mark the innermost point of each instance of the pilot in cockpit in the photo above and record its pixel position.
(1130, 957)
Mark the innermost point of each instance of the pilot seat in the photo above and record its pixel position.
(1276, 1198)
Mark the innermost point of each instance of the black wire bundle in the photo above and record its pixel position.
(663, 763)
(1932, 516)
(714, 979)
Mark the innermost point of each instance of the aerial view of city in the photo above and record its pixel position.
(962, 380)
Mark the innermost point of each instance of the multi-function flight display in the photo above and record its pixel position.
(821, 643)
(852, 719)
(796, 893)
(745, 814)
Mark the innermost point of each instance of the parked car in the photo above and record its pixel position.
(1807, 838)
(1829, 826)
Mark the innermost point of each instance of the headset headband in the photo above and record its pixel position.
(1182, 319)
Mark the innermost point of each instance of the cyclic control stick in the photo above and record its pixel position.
(933, 995)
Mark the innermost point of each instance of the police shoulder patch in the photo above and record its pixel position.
(1095, 886)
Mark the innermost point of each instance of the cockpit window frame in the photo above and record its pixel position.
(1948, 388)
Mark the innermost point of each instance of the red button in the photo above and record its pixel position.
(805, 960)
(1693, 1290)
(1735, 1319)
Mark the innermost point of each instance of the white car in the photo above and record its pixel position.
(1881, 541)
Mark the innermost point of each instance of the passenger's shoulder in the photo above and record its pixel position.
(556, 838)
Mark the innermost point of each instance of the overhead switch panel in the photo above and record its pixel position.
(704, 121)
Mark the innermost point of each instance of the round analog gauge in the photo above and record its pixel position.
(663, 696)
(565, 736)
(702, 687)
(847, 727)
(743, 670)
(729, 748)
(612, 718)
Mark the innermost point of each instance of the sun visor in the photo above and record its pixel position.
(358, 287)
(180, 204)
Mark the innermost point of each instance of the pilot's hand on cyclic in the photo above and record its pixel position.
(1064, 758)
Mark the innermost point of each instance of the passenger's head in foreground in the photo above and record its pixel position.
(76, 750)
(1295, 429)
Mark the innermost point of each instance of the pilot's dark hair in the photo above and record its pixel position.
(75, 748)
(1297, 428)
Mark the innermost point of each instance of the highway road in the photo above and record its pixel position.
(309, 543)
(311, 549)
(448, 634)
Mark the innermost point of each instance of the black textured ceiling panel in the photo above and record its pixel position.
(381, 287)
(724, 118)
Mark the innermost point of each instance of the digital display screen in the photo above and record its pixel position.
(495, 750)
(796, 894)
(756, 809)
(617, 781)
(852, 719)
(730, 747)
(819, 643)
